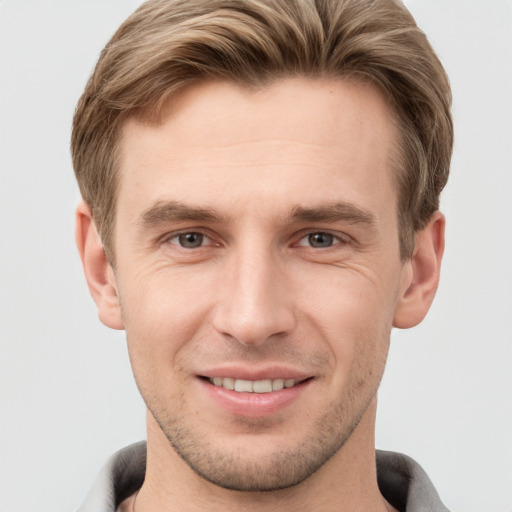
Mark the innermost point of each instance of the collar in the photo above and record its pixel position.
(401, 480)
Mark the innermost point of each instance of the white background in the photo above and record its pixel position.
(66, 393)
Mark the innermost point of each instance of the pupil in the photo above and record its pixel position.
(191, 240)
(320, 240)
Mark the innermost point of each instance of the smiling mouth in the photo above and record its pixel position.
(253, 386)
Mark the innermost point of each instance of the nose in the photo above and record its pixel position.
(255, 302)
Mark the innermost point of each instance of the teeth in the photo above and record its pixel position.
(228, 383)
(262, 386)
(277, 384)
(253, 386)
(243, 386)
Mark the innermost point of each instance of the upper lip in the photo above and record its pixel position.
(264, 373)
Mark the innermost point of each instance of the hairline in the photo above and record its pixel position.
(154, 114)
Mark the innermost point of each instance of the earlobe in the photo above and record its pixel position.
(421, 274)
(98, 272)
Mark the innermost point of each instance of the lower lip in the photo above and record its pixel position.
(254, 404)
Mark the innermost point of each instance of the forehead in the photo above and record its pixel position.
(296, 139)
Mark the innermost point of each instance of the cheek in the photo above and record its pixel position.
(349, 300)
(162, 311)
(353, 312)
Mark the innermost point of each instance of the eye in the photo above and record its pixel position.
(189, 240)
(319, 240)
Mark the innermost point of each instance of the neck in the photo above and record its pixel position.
(346, 482)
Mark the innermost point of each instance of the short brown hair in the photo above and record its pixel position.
(166, 45)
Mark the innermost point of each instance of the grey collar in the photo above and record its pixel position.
(401, 480)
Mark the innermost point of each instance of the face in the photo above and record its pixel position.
(258, 271)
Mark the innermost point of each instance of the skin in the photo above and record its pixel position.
(287, 194)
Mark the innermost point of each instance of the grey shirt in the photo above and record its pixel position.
(401, 480)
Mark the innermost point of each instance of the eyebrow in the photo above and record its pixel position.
(335, 212)
(172, 211)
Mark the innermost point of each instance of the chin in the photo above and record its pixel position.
(278, 464)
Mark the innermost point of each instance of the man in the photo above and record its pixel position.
(260, 184)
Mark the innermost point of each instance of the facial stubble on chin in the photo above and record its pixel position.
(236, 469)
(283, 469)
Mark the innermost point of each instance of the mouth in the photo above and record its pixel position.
(253, 386)
(257, 397)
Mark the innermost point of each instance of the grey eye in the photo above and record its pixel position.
(320, 240)
(190, 240)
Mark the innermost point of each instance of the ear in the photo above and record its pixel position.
(98, 271)
(421, 274)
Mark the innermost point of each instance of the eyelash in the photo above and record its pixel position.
(334, 239)
(177, 236)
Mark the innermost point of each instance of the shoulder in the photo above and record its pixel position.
(404, 483)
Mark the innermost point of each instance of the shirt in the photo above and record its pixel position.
(401, 481)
